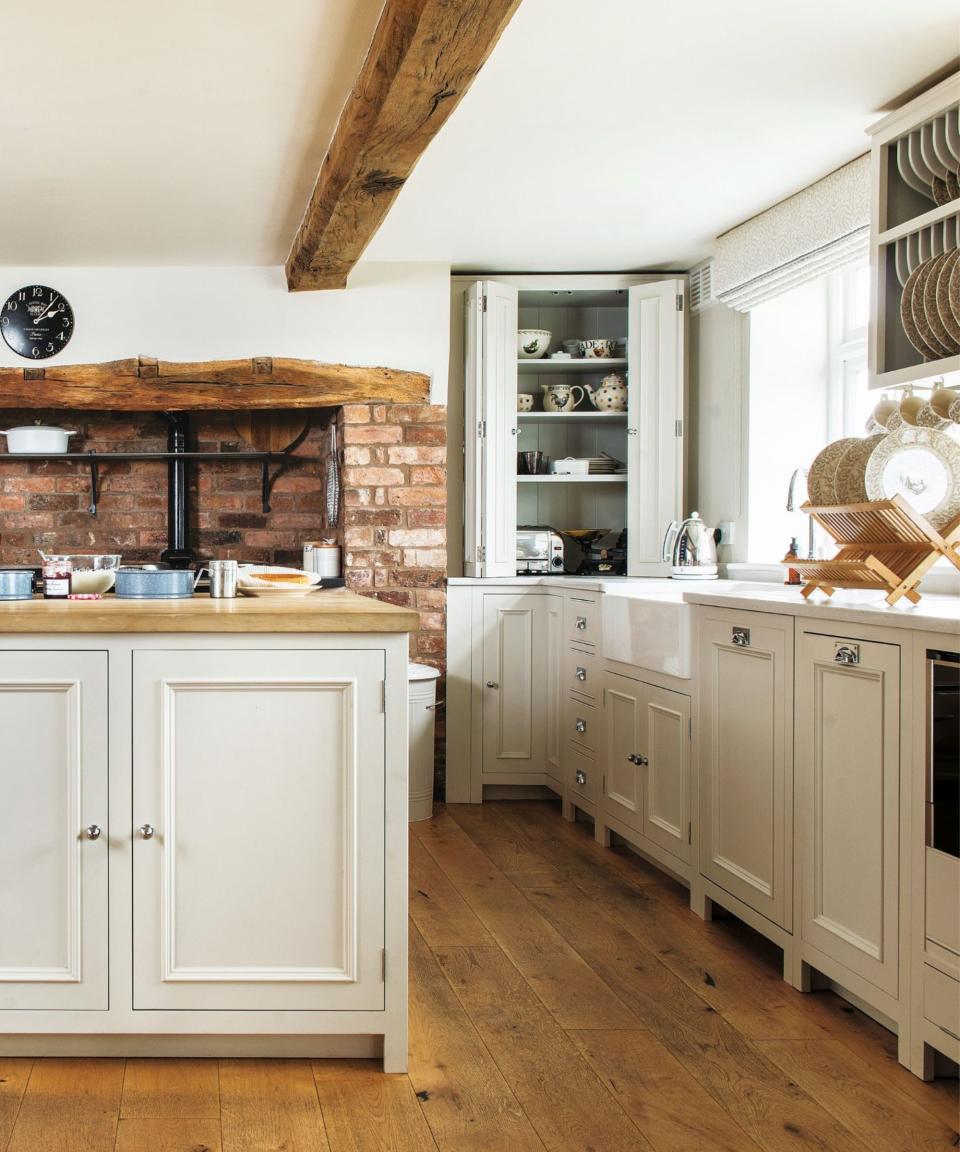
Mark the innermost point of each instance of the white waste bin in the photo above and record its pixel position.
(422, 708)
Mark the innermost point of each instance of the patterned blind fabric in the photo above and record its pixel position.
(815, 232)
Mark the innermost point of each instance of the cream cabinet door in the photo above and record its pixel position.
(552, 673)
(53, 830)
(746, 761)
(848, 780)
(513, 683)
(665, 746)
(623, 787)
(258, 805)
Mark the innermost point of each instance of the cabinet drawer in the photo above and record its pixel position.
(582, 620)
(582, 773)
(943, 901)
(582, 672)
(941, 1000)
(582, 723)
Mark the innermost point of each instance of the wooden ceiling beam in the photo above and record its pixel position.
(142, 384)
(422, 59)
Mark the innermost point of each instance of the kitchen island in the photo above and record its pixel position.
(203, 827)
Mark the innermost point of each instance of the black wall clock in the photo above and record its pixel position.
(36, 322)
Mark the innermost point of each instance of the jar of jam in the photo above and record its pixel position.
(57, 577)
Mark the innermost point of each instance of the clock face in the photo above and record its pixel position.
(36, 322)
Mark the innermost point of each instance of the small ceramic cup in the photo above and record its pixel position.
(525, 402)
(946, 403)
(918, 413)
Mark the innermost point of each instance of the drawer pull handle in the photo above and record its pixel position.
(93, 832)
(146, 831)
(580, 777)
(847, 654)
(635, 759)
(581, 725)
(582, 623)
(492, 684)
(581, 673)
(741, 637)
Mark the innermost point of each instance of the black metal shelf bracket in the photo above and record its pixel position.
(94, 483)
(267, 482)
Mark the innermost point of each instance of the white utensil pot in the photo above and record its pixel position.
(37, 438)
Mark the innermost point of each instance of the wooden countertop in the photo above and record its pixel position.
(334, 611)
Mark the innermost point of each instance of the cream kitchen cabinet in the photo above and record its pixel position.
(746, 763)
(248, 796)
(848, 799)
(646, 792)
(54, 830)
(516, 634)
(258, 796)
(646, 312)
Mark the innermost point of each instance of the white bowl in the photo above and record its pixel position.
(532, 343)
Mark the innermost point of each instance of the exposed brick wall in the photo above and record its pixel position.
(392, 519)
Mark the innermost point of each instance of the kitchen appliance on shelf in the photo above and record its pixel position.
(539, 551)
(603, 554)
(690, 548)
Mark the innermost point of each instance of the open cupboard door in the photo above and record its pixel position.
(490, 423)
(655, 420)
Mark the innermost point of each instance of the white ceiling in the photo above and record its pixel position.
(607, 134)
(619, 134)
(168, 131)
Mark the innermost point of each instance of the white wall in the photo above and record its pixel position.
(391, 315)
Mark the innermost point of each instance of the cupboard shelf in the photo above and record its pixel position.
(918, 223)
(572, 417)
(541, 367)
(549, 479)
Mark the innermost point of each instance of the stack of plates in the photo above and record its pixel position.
(601, 465)
(930, 306)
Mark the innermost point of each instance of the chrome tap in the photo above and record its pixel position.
(799, 477)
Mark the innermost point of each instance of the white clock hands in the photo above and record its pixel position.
(56, 311)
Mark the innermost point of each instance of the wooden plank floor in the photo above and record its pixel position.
(562, 998)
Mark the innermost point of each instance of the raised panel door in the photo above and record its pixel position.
(53, 830)
(623, 793)
(514, 721)
(746, 765)
(261, 775)
(848, 772)
(553, 686)
(665, 745)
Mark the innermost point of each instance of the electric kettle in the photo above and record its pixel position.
(691, 550)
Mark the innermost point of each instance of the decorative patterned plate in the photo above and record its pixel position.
(919, 313)
(935, 325)
(906, 316)
(849, 479)
(953, 185)
(941, 193)
(922, 466)
(953, 293)
(949, 318)
(821, 480)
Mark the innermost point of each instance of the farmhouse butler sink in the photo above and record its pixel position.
(649, 627)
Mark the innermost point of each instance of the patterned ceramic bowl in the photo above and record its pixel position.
(532, 343)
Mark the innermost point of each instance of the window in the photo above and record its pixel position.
(808, 386)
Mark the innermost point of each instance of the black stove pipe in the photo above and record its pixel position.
(178, 553)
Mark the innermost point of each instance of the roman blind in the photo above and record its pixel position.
(818, 230)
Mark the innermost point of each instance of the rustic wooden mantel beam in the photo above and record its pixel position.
(422, 59)
(143, 384)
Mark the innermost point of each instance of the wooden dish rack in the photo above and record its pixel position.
(883, 544)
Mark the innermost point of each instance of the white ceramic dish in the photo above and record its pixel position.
(37, 438)
(532, 343)
(921, 465)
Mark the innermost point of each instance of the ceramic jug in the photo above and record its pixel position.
(560, 397)
(611, 396)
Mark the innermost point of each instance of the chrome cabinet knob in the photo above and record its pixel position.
(845, 654)
(580, 777)
(147, 831)
(492, 684)
(581, 673)
(635, 759)
(741, 637)
(582, 623)
(92, 832)
(581, 725)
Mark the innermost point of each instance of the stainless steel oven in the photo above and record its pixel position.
(943, 751)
